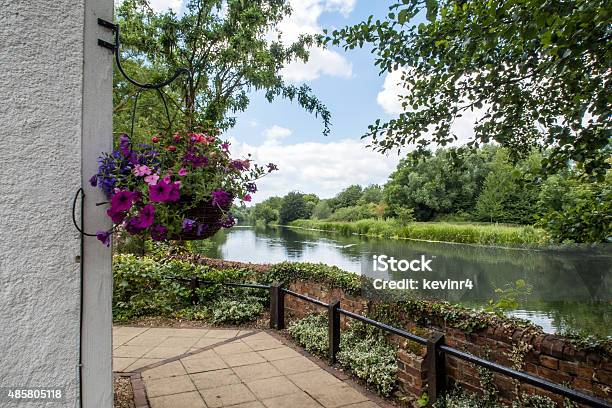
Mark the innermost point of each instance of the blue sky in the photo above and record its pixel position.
(347, 82)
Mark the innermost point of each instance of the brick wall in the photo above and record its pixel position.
(549, 356)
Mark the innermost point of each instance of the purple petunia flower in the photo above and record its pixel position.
(104, 237)
(117, 217)
(225, 146)
(133, 226)
(228, 222)
(174, 195)
(188, 225)
(221, 198)
(122, 201)
(124, 145)
(93, 180)
(240, 165)
(145, 216)
(159, 192)
(159, 232)
(202, 228)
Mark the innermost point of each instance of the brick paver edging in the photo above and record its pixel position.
(138, 389)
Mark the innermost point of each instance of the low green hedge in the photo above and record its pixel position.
(367, 355)
(143, 287)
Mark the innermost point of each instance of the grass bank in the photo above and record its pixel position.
(464, 233)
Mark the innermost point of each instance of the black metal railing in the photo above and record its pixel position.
(436, 350)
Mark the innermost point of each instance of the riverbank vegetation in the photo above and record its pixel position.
(479, 196)
(486, 234)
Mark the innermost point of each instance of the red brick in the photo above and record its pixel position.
(568, 367)
(554, 376)
(549, 362)
(603, 376)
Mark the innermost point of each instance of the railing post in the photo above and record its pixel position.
(436, 368)
(193, 285)
(334, 330)
(277, 306)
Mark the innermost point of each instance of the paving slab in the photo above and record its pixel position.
(184, 400)
(227, 395)
(170, 385)
(272, 387)
(214, 379)
(171, 369)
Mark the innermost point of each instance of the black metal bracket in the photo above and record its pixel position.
(115, 49)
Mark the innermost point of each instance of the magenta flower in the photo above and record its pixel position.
(104, 237)
(117, 216)
(142, 170)
(152, 179)
(174, 195)
(159, 232)
(122, 201)
(159, 192)
(133, 226)
(145, 216)
(225, 146)
(182, 172)
(221, 198)
(247, 197)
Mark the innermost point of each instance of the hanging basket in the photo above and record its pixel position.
(205, 213)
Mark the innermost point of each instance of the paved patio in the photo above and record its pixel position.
(209, 368)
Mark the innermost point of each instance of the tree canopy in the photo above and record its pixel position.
(230, 49)
(537, 71)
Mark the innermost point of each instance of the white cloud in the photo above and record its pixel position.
(164, 5)
(304, 19)
(320, 168)
(390, 99)
(275, 133)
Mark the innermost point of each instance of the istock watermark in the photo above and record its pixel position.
(414, 273)
(384, 263)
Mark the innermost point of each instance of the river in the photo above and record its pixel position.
(571, 289)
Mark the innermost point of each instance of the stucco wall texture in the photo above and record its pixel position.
(41, 61)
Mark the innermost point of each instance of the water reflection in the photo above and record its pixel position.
(571, 288)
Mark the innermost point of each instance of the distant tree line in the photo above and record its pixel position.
(464, 185)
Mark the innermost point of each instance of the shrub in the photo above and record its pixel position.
(311, 333)
(236, 311)
(368, 357)
(142, 288)
(294, 271)
(372, 359)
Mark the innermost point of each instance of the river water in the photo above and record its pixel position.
(571, 289)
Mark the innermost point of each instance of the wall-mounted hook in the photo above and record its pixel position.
(117, 51)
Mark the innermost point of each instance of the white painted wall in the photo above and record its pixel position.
(55, 118)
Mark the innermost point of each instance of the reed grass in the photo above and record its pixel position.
(465, 233)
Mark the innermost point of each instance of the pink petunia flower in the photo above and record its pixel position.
(141, 170)
(182, 172)
(247, 197)
(152, 179)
